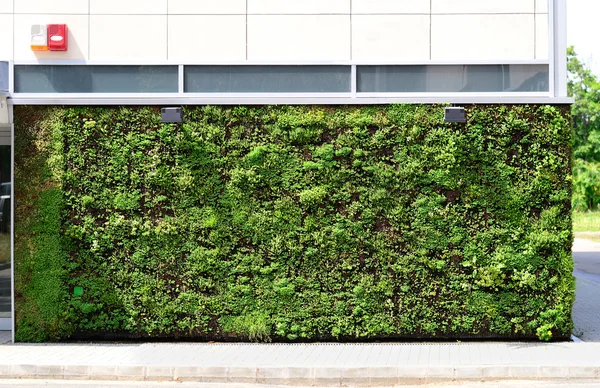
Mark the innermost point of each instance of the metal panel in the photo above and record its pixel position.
(559, 31)
(411, 99)
(285, 63)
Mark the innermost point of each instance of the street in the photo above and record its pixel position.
(586, 311)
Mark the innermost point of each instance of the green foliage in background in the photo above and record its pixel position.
(584, 87)
(303, 223)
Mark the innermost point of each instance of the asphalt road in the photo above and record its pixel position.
(586, 311)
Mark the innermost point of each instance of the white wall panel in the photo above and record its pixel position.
(6, 32)
(52, 6)
(294, 37)
(207, 7)
(390, 37)
(484, 37)
(541, 36)
(128, 7)
(78, 37)
(390, 6)
(128, 38)
(482, 6)
(293, 7)
(6, 6)
(541, 6)
(207, 37)
(283, 30)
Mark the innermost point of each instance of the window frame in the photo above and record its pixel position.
(353, 97)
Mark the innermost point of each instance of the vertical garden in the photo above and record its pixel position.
(293, 223)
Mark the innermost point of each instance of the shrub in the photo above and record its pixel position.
(586, 185)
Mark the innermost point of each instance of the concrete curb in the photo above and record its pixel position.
(299, 376)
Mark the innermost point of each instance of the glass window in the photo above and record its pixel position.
(3, 76)
(451, 78)
(96, 79)
(267, 79)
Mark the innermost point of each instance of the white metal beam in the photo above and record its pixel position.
(559, 39)
(57, 100)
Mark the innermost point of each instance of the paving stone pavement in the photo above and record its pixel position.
(303, 364)
(148, 384)
(5, 337)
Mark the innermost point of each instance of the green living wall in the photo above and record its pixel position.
(293, 223)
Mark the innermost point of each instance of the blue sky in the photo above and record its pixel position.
(583, 26)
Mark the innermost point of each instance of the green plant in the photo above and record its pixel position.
(298, 223)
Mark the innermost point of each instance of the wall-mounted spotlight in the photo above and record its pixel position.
(455, 114)
(171, 115)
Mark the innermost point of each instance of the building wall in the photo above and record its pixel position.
(191, 31)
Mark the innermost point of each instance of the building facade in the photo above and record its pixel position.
(257, 52)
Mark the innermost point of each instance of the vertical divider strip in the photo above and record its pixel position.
(551, 48)
(180, 79)
(560, 48)
(353, 81)
(12, 221)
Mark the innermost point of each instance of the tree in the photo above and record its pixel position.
(583, 85)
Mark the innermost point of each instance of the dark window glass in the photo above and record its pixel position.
(267, 79)
(451, 78)
(96, 79)
(3, 76)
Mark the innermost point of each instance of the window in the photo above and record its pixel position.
(453, 78)
(3, 76)
(267, 79)
(96, 79)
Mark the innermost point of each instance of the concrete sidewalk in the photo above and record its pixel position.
(308, 364)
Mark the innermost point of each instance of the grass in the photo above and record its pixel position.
(586, 222)
(586, 225)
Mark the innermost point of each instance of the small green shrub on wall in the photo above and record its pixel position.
(302, 223)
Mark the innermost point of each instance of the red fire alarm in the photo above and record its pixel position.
(58, 35)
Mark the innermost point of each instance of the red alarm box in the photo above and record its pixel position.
(58, 37)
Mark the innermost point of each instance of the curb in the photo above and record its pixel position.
(291, 376)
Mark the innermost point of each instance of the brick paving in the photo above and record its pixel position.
(307, 364)
(5, 337)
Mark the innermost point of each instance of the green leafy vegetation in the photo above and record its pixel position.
(294, 223)
(584, 87)
(40, 255)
